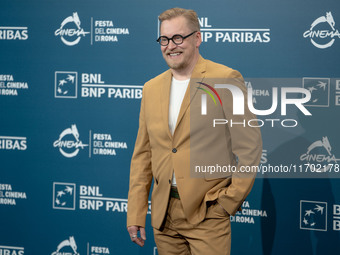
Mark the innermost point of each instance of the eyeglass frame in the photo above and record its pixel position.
(172, 38)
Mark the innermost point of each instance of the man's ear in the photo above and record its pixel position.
(199, 39)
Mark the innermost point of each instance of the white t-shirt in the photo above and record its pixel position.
(177, 92)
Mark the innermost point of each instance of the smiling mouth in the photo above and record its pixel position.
(174, 54)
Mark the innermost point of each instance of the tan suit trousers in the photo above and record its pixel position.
(178, 237)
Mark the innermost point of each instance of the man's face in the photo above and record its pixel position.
(178, 57)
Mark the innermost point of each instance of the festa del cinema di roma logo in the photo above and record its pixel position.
(70, 31)
(69, 143)
(320, 152)
(69, 245)
(324, 38)
(69, 147)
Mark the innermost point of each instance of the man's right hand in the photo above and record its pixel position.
(133, 232)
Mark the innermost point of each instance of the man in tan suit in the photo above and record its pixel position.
(177, 142)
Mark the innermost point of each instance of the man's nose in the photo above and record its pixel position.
(171, 45)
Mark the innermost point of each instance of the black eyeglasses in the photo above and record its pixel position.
(177, 39)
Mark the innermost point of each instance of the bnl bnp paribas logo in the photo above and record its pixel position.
(64, 196)
(319, 89)
(11, 250)
(66, 84)
(13, 33)
(88, 198)
(233, 35)
(230, 35)
(92, 85)
(313, 215)
(322, 32)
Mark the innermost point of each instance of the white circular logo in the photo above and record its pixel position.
(317, 158)
(69, 148)
(71, 36)
(321, 35)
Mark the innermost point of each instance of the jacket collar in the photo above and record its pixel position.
(197, 74)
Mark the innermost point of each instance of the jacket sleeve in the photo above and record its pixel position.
(140, 174)
(246, 145)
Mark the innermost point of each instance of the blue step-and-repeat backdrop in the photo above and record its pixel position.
(71, 79)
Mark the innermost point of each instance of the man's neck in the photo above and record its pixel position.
(185, 74)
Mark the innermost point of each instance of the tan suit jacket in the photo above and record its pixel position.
(158, 154)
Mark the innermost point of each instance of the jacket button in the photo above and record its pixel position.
(174, 150)
(169, 181)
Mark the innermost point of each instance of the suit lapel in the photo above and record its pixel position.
(197, 74)
(165, 100)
